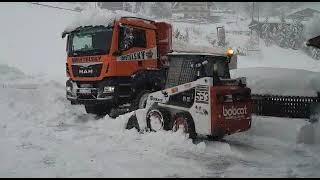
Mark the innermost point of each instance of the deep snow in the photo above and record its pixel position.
(42, 135)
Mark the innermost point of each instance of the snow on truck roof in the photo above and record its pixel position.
(97, 17)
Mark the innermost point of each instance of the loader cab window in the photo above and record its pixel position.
(217, 67)
(90, 41)
(130, 37)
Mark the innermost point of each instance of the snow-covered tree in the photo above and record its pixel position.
(295, 35)
(282, 35)
(266, 32)
(315, 53)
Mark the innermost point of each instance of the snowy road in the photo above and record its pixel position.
(42, 135)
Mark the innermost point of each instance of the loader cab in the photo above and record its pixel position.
(185, 68)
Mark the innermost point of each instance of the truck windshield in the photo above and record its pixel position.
(90, 41)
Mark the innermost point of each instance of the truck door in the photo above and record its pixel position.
(134, 48)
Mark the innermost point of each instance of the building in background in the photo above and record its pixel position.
(111, 5)
(303, 15)
(196, 10)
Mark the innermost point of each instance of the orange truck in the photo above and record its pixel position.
(112, 66)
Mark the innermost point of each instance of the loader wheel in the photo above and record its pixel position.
(184, 121)
(158, 119)
(97, 109)
(140, 101)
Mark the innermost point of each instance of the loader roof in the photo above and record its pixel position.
(198, 50)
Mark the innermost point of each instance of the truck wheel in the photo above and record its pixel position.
(158, 119)
(184, 121)
(97, 109)
(140, 101)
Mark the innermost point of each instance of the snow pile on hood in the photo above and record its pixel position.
(280, 81)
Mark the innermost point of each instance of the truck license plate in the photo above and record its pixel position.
(85, 91)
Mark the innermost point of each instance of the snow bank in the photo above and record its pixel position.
(280, 81)
(9, 73)
(277, 57)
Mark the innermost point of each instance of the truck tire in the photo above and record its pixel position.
(140, 101)
(185, 120)
(158, 119)
(97, 109)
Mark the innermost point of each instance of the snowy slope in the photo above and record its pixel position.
(280, 81)
(280, 71)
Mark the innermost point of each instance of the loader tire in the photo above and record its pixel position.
(97, 109)
(140, 101)
(185, 119)
(162, 119)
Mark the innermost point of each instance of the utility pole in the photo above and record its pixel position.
(252, 10)
(258, 12)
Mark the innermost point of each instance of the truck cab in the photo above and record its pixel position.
(113, 64)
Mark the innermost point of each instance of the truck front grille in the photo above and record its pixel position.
(86, 71)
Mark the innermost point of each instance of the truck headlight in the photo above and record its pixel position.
(108, 89)
(68, 89)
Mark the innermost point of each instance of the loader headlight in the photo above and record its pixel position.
(229, 52)
(108, 89)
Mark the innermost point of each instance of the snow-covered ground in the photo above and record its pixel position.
(42, 135)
